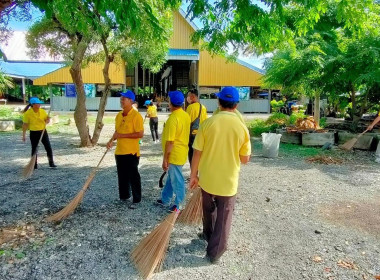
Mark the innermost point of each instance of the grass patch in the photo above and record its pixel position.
(7, 113)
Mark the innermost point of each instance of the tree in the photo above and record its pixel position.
(71, 26)
(5, 82)
(255, 26)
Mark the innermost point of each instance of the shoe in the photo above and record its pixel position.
(133, 206)
(159, 202)
(52, 165)
(173, 208)
(202, 236)
(212, 260)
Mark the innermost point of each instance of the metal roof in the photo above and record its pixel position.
(28, 69)
(183, 54)
(250, 66)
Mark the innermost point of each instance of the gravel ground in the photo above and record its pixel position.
(293, 219)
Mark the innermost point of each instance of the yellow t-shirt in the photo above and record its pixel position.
(152, 111)
(193, 111)
(132, 122)
(222, 139)
(177, 129)
(238, 114)
(37, 120)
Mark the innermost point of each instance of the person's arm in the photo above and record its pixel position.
(132, 135)
(375, 121)
(244, 159)
(194, 169)
(25, 127)
(168, 148)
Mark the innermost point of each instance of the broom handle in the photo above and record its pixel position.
(100, 161)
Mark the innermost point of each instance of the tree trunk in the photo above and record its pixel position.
(103, 100)
(80, 114)
(5, 4)
(317, 107)
(353, 101)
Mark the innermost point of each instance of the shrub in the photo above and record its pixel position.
(295, 116)
(257, 127)
(322, 122)
(278, 118)
(276, 105)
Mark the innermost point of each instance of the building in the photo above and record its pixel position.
(186, 66)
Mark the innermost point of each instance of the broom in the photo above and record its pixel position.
(70, 208)
(161, 181)
(149, 254)
(351, 143)
(193, 212)
(29, 168)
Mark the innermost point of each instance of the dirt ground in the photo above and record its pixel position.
(293, 219)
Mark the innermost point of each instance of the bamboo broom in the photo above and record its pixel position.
(70, 208)
(193, 212)
(149, 254)
(27, 172)
(351, 143)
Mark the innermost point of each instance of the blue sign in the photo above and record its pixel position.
(89, 89)
(70, 90)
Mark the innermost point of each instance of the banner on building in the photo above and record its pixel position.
(89, 89)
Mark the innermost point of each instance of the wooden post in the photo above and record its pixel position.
(269, 99)
(143, 81)
(136, 79)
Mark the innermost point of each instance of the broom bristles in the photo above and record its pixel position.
(73, 204)
(349, 144)
(193, 212)
(149, 254)
(29, 168)
(69, 208)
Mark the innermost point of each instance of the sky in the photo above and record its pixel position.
(36, 14)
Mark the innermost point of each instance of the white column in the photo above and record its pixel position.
(23, 90)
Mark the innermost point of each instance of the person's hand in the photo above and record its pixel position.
(109, 144)
(165, 165)
(23, 138)
(193, 182)
(116, 135)
(47, 120)
(370, 127)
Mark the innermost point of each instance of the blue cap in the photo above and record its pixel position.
(129, 94)
(176, 98)
(147, 102)
(230, 94)
(35, 100)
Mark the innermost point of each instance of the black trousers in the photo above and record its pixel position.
(217, 219)
(128, 177)
(35, 137)
(153, 124)
(191, 150)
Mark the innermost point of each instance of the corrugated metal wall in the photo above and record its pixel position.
(93, 74)
(181, 33)
(245, 106)
(216, 71)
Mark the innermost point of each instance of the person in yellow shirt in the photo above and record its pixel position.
(128, 131)
(197, 113)
(175, 140)
(221, 144)
(153, 119)
(35, 119)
